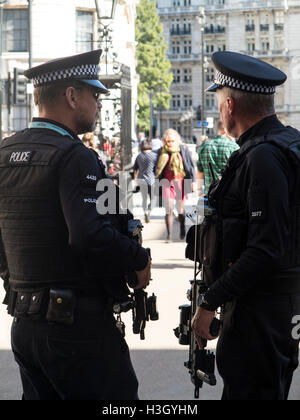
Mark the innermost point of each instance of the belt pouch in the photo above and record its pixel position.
(61, 306)
(36, 305)
(22, 304)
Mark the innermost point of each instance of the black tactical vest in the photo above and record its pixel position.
(288, 141)
(33, 229)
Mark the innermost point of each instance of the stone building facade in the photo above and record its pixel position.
(62, 28)
(266, 29)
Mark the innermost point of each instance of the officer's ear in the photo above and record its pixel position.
(230, 102)
(71, 95)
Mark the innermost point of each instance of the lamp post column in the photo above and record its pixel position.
(1, 66)
(201, 20)
(202, 81)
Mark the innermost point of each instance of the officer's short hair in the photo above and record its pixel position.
(252, 103)
(48, 95)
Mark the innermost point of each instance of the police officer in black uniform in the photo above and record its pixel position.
(257, 202)
(62, 262)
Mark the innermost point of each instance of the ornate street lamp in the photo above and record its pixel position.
(107, 9)
(201, 19)
(106, 12)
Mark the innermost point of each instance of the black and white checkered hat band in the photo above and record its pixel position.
(222, 79)
(84, 71)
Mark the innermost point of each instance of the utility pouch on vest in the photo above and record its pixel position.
(36, 304)
(22, 304)
(61, 306)
(209, 248)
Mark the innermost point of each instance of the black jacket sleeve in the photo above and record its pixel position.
(267, 201)
(89, 231)
(4, 272)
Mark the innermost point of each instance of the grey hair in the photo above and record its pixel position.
(253, 103)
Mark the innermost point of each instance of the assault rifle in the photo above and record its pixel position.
(143, 307)
(201, 363)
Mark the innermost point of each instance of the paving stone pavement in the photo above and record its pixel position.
(159, 358)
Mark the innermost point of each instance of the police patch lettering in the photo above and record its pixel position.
(90, 200)
(258, 207)
(20, 158)
(257, 213)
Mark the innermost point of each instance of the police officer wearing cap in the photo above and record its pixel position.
(257, 202)
(62, 262)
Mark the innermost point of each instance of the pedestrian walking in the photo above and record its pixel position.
(63, 263)
(213, 155)
(174, 166)
(256, 253)
(144, 170)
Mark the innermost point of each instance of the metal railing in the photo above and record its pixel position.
(178, 32)
(214, 29)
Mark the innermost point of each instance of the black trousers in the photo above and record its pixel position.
(256, 352)
(88, 360)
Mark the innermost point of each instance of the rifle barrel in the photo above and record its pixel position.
(208, 378)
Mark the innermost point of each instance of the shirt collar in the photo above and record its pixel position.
(263, 126)
(38, 119)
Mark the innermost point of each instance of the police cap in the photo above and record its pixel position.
(239, 71)
(81, 67)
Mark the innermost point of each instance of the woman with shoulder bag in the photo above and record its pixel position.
(175, 166)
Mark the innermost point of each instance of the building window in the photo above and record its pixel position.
(210, 100)
(250, 25)
(187, 75)
(220, 23)
(15, 30)
(175, 47)
(186, 26)
(264, 22)
(187, 47)
(187, 101)
(210, 48)
(84, 31)
(265, 44)
(210, 74)
(176, 75)
(279, 21)
(175, 101)
(176, 125)
(250, 44)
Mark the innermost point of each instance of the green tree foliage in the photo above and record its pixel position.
(152, 65)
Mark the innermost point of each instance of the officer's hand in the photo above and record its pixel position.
(200, 324)
(144, 276)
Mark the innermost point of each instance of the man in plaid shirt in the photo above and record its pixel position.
(217, 152)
